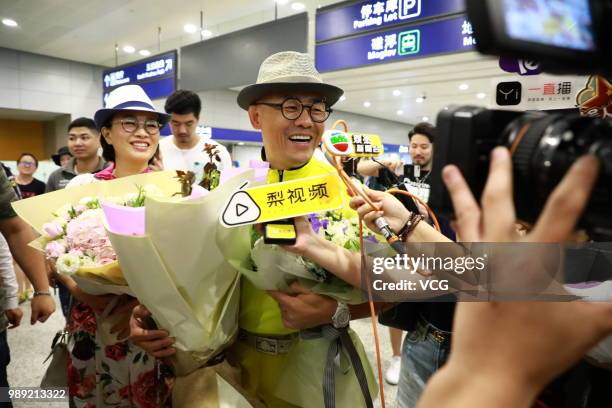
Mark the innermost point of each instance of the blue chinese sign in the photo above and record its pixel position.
(357, 18)
(435, 38)
(156, 75)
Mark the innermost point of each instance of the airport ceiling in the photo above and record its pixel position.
(87, 31)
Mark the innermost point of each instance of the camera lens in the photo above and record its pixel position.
(544, 146)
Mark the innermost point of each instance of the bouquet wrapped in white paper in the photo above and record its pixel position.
(176, 270)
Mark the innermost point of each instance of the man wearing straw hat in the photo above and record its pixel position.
(289, 103)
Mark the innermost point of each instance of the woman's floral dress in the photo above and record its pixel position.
(103, 373)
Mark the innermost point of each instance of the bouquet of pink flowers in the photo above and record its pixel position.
(76, 241)
(73, 224)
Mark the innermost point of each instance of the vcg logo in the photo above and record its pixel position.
(409, 9)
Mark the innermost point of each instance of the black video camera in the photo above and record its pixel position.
(544, 145)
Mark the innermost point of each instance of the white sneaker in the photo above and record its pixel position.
(392, 374)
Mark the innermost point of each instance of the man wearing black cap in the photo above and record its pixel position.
(62, 156)
(83, 146)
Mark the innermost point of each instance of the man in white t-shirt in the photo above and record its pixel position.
(185, 149)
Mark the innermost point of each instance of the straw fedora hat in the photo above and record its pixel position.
(288, 71)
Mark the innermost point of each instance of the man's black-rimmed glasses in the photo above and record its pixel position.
(292, 108)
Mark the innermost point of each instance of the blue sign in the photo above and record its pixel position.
(394, 148)
(236, 135)
(371, 15)
(439, 37)
(156, 75)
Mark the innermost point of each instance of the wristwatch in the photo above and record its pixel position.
(342, 317)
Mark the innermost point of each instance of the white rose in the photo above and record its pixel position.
(68, 264)
(97, 213)
(151, 190)
(86, 200)
(131, 197)
(87, 261)
(115, 200)
(64, 211)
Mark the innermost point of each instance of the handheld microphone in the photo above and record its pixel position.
(347, 144)
(390, 236)
(344, 144)
(381, 223)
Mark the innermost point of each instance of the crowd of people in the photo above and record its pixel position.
(454, 355)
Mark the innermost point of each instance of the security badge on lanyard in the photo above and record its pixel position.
(418, 187)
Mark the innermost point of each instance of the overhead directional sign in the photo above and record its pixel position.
(416, 41)
(349, 18)
(283, 200)
(156, 75)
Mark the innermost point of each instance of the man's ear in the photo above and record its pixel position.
(255, 117)
(106, 135)
(97, 137)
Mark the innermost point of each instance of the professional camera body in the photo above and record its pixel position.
(543, 145)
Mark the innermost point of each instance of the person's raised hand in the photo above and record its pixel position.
(306, 237)
(156, 342)
(386, 205)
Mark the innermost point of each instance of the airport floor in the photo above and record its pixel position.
(30, 346)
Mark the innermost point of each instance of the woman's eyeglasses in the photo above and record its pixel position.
(130, 125)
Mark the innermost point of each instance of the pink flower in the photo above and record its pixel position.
(86, 234)
(76, 252)
(55, 249)
(106, 252)
(53, 230)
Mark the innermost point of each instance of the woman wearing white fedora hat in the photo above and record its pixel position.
(104, 372)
